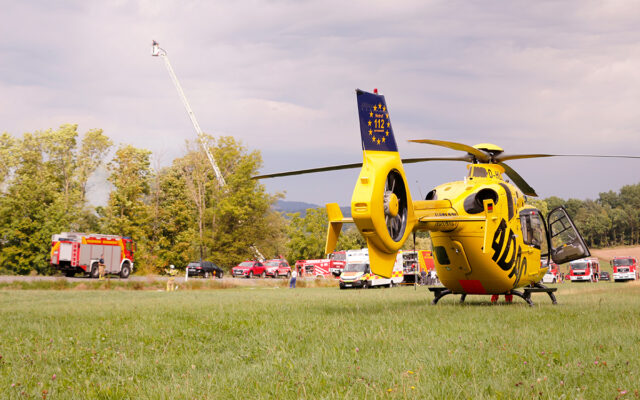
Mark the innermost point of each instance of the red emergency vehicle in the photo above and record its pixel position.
(277, 267)
(324, 267)
(584, 269)
(75, 252)
(624, 268)
(414, 262)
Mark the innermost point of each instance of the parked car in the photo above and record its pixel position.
(204, 269)
(276, 268)
(604, 276)
(552, 272)
(249, 269)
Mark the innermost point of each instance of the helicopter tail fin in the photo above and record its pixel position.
(335, 226)
(381, 204)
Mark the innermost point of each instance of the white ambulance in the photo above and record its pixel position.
(357, 273)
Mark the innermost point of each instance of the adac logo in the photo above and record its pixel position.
(375, 126)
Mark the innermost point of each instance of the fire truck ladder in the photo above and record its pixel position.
(157, 51)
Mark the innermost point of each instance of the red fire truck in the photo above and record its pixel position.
(74, 252)
(585, 269)
(325, 267)
(414, 262)
(624, 268)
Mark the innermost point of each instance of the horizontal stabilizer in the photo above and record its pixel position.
(336, 219)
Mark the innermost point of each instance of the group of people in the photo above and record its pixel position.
(428, 278)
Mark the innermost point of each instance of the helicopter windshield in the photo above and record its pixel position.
(356, 267)
(477, 172)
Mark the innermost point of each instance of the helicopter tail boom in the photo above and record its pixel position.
(381, 204)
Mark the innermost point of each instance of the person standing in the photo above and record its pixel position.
(294, 275)
(171, 282)
(423, 276)
(101, 268)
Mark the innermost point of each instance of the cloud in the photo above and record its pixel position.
(547, 76)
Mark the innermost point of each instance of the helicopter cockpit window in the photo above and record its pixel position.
(478, 172)
(533, 230)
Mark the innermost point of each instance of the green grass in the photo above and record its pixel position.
(270, 342)
(158, 283)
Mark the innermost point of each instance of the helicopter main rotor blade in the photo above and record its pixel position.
(506, 157)
(423, 159)
(309, 171)
(518, 180)
(355, 165)
(479, 155)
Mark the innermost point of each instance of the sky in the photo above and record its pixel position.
(280, 76)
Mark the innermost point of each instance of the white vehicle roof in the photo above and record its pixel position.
(361, 255)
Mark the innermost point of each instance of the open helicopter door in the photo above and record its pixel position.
(565, 242)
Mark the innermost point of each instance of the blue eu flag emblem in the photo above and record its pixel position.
(375, 126)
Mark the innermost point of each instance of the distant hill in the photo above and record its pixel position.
(289, 207)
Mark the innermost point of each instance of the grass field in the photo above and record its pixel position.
(271, 342)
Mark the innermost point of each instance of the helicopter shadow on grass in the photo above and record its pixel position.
(407, 305)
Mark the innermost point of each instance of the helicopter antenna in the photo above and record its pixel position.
(415, 280)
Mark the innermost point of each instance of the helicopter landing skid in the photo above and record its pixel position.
(540, 288)
(440, 292)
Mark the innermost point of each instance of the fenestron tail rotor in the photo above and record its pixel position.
(395, 205)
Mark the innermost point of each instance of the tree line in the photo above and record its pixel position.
(612, 219)
(175, 214)
(179, 213)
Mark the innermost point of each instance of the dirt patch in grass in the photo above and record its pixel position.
(608, 253)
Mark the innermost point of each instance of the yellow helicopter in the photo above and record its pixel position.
(486, 239)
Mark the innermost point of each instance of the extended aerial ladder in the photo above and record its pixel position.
(157, 51)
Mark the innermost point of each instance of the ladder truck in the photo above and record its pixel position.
(157, 51)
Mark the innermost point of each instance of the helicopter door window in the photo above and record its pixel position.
(534, 232)
(441, 255)
(566, 242)
(507, 191)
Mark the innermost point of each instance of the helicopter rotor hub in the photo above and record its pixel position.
(391, 204)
